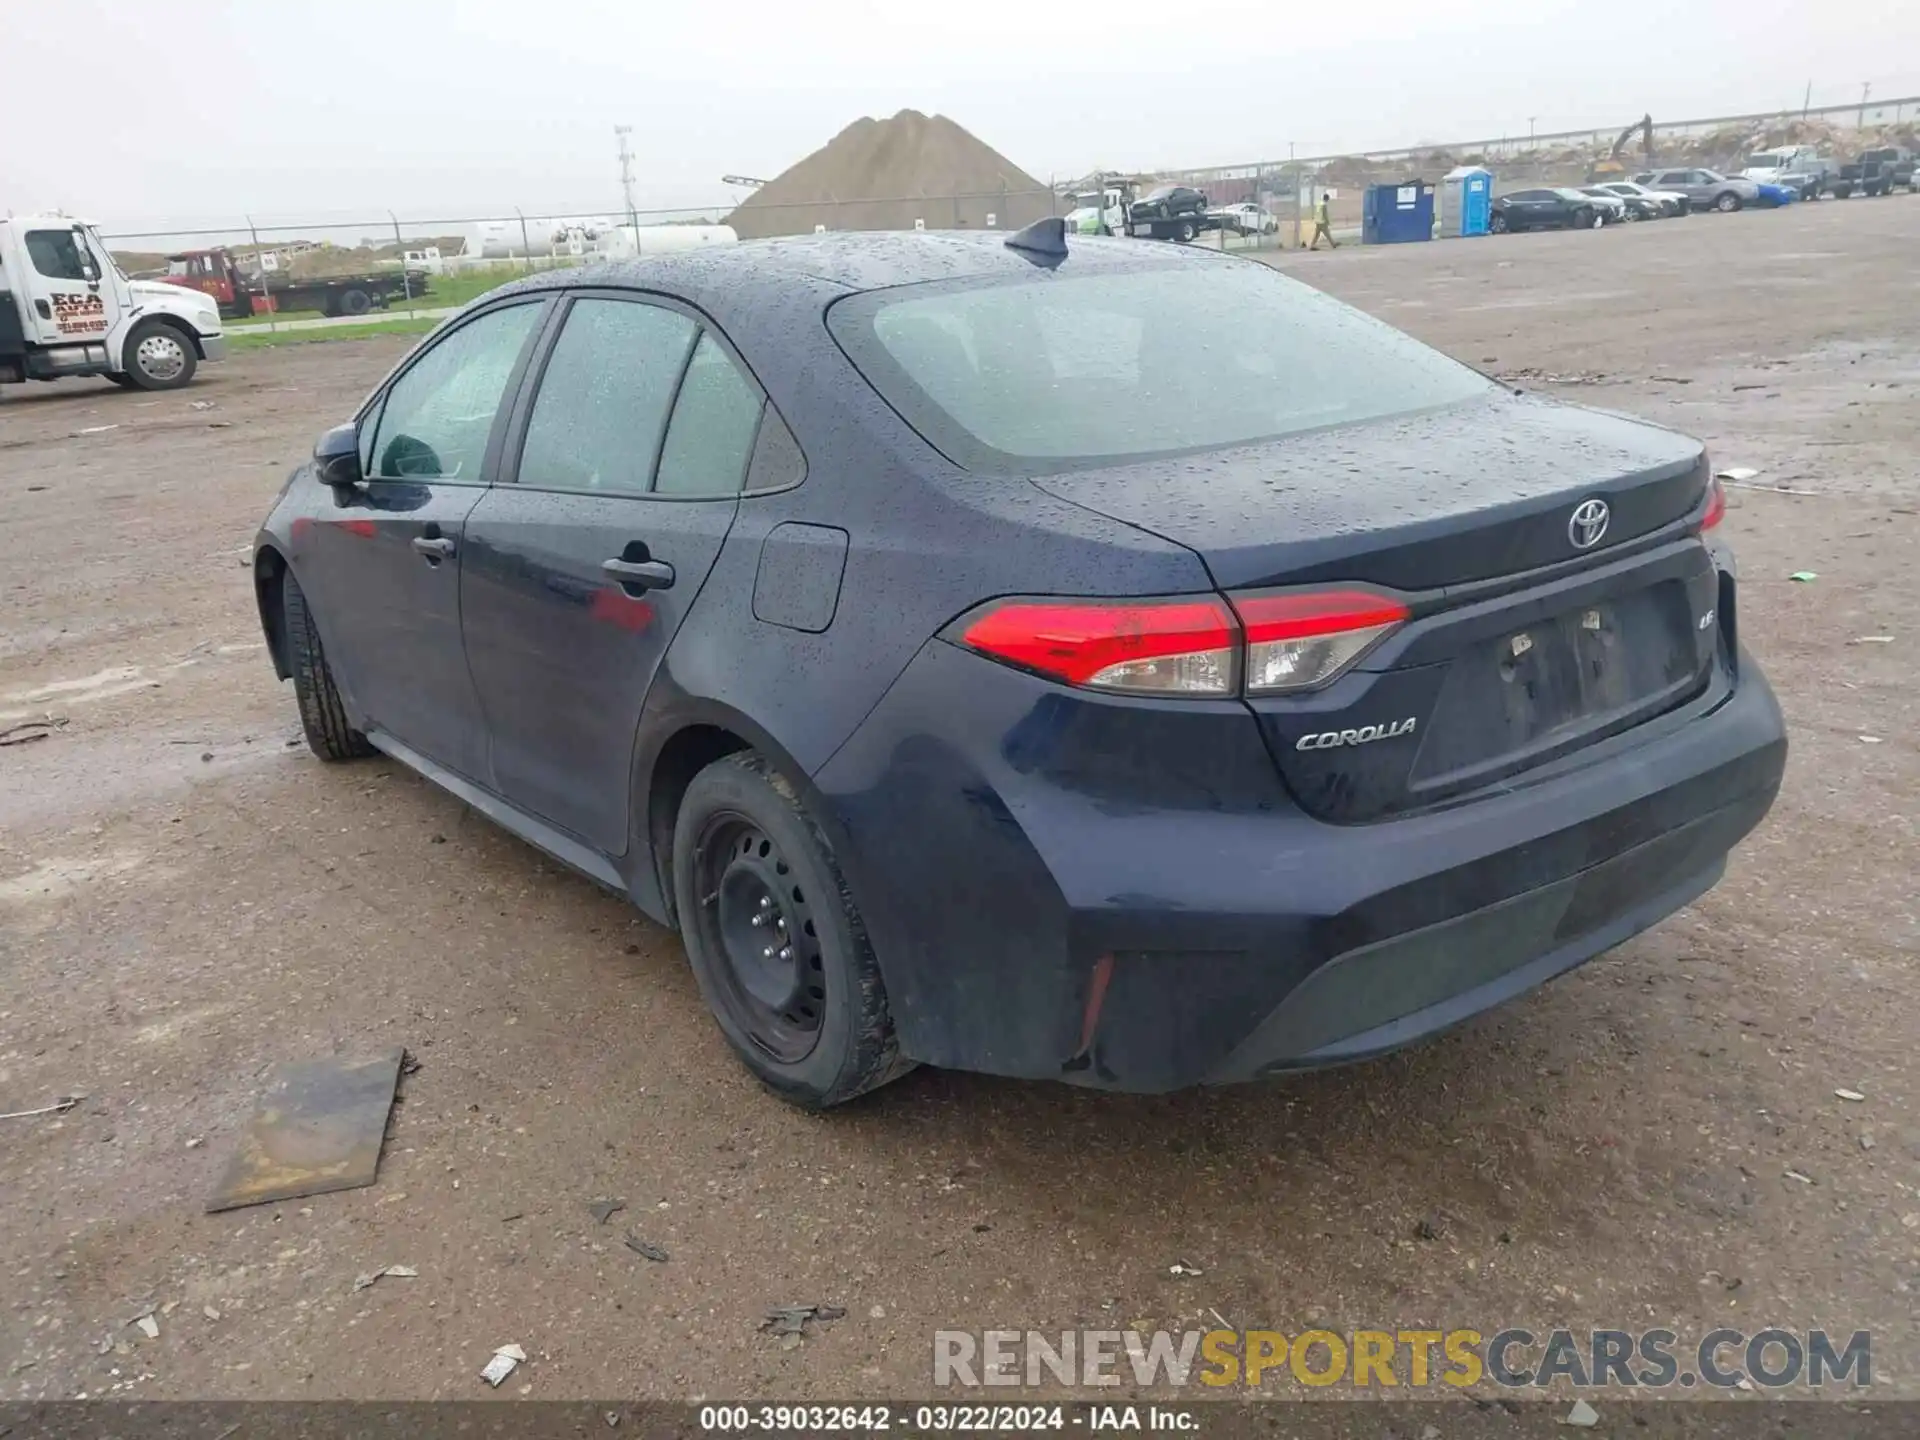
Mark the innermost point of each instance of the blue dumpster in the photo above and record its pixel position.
(1394, 214)
(1466, 202)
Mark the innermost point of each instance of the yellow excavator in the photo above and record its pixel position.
(1612, 168)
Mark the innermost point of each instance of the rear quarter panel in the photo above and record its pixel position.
(925, 542)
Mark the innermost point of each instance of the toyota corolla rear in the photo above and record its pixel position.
(1455, 702)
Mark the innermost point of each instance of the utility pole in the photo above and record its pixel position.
(1807, 104)
(1530, 125)
(1866, 89)
(621, 132)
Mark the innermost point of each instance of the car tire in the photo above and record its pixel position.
(1726, 202)
(355, 302)
(1498, 223)
(322, 716)
(157, 356)
(810, 1018)
(1185, 231)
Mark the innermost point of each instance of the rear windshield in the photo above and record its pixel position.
(1057, 371)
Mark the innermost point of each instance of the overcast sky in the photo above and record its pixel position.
(189, 112)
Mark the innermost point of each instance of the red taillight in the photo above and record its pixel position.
(1191, 645)
(1716, 504)
(1161, 647)
(1301, 641)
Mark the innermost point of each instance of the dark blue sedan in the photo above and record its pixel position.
(1094, 660)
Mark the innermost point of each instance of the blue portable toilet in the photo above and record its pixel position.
(1394, 214)
(1466, 201)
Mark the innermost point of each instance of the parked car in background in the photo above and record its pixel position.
(1544, 210)
(1767, 167)
(1246, 218)
(1901, 164)
(1632, 207)
(1169, 212)
(1612, 208)
(1811, 179)
(1876, 172)
(1704, 189)
(1773, 196)
(1668, 202)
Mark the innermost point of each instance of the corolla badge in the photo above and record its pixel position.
(1363, 735)
(1588, 523)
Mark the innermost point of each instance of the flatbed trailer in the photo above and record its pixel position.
(214, 272)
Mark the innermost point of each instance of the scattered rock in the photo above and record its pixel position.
(646, 1250)
(792, 1320)
(1853, 1095)
(28, 731)
(1796, 1175)
(1425, 1231)
(1184, 1268)
(372, 1277)
(1582, 1416)
(149, 1326)
(502, 1364)
(604, 1210)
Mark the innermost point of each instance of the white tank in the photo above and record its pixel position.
(627, 242)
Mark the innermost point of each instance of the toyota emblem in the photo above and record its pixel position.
(1588, 523)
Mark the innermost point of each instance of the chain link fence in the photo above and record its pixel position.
(423, 265)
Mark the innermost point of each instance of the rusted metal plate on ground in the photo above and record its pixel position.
(319, 1128)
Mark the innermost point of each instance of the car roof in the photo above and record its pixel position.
(768, 296)
(849, 261)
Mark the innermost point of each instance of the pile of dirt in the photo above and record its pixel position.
(886, 174)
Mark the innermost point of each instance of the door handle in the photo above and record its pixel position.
(436, 549)
(637, 575)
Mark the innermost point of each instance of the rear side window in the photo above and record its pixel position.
(598, 419)
(714, 422)
(1054, 372)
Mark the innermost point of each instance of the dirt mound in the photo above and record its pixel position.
(885, 174)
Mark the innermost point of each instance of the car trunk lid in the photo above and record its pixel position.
(1530, 634)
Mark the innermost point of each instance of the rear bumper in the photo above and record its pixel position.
(1121, 894)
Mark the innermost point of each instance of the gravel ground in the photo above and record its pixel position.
(187, 898)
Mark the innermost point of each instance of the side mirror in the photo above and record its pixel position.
(336, 457)
(89, 267)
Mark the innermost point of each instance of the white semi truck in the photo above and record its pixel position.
(66, 310)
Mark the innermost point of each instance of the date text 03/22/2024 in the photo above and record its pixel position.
(947, 1419)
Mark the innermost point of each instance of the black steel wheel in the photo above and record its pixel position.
(755, 914)
(775, 940)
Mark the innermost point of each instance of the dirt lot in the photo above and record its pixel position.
(187, 897)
